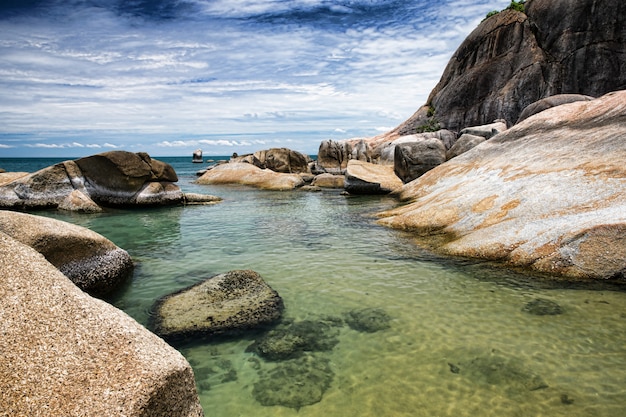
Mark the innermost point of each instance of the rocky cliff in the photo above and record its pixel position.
(513, 59)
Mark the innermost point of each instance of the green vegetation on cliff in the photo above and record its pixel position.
(515, 5)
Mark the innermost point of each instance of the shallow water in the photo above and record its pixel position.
(458, 343)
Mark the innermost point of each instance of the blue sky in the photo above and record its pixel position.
(79, 77)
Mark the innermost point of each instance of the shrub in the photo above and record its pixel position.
(515, 5)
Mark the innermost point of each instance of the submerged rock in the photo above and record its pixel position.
(542, 307)
(224, 304)
(368, 320)
(293, 339)
(496, 369)
(295, 383)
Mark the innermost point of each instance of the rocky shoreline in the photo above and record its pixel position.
(509, 162)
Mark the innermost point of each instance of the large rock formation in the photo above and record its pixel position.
(248, 174)
(548, 194)
(513, 59)
(65, 353)
(95, 264)
(224, 304)
(116, 178)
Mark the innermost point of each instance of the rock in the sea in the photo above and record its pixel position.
(283, 160)
(224, 304)
(78, 201)
(92, 262)
(247, 174)
(542, 307)
(368, 320)
(293, 339)
(65, 353)
(510, 373)
(413, 159)
(200, 199)
(365, 178)
(548, 194)
(115, 178)
(328, 180)
(294, 383)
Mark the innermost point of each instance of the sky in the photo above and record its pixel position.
(80, 77)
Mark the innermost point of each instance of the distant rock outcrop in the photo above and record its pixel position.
(92, 262)
(548, 194)
(65, 353)
(248, 174)
(116, 178)
(513, 59)
(281, 160)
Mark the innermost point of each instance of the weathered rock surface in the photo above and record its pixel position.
(548, 194)
(200, 199)
(464, 144)
(486, 131)
(549, 102)
(92, 262)
(283, 160)
(413, 159)
(513, 59)
(65, 353)
(248, 174)
(384, 151)
(333, 156)
(114, 178)
(328, 181)
(365, 178)
(225, 304)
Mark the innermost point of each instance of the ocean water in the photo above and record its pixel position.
(454, 338)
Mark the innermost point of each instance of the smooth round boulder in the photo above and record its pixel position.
(91, 261)
(225, 304)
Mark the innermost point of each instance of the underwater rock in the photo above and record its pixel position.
(294, 383)
(542, 307)
(225, 304)
(291, 340)
(368, 320)
(496, 369)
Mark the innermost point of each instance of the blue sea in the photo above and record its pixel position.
(457, 340)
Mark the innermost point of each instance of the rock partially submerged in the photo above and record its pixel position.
(92, 262)
(222, 305)
(65, 353)
(248, 174)
(116, 178)
(366, 178)
(548, 194)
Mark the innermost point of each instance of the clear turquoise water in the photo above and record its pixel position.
(325, 256)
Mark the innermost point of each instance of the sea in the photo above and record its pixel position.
(385, 327)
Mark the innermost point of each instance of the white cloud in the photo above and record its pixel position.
(229, 70)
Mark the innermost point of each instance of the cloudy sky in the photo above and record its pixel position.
(78, 77)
